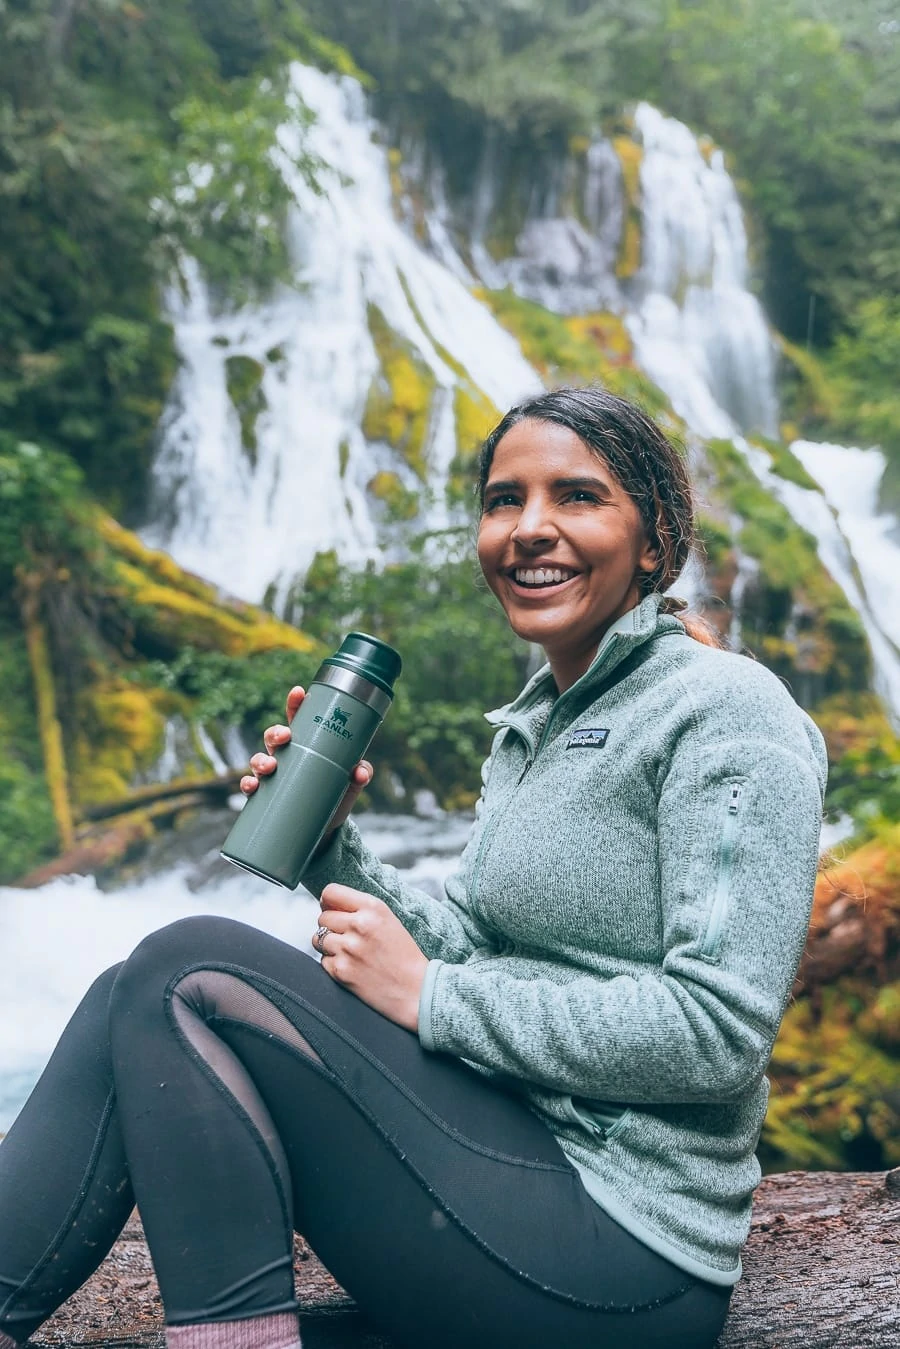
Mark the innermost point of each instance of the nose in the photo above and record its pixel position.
(535, 528)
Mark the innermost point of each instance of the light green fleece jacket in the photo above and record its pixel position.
(622, 935)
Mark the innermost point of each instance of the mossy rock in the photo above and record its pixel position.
(399, 502)
(121, 731)
(630, 155)
(243, 380)
(795, 616)
(399, 401)
(171, 609)
(578, 349)
(786, 464)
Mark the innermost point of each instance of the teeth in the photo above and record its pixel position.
(540, 576)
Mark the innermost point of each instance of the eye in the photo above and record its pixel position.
(583, 494)
(493, 503)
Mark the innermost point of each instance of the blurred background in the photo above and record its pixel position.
(269, 270)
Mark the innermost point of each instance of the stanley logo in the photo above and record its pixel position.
(336, 723)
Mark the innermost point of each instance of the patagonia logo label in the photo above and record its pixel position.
(588, 739)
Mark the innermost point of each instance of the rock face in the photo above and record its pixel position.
(821, 1271)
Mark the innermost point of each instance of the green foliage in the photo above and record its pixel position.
(863, 763)
(243, 380)
(459, 659)
(834, 1095)
(864, 366)
(43, 508)
(128, 135)
(795, 617)
(586, 349)
(226, 201)
(27, 824)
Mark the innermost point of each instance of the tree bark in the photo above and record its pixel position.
(821, 1271)
(45, 703)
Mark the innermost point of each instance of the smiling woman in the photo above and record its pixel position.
(520, 1114)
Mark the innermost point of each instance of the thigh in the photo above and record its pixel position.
(435, 1195)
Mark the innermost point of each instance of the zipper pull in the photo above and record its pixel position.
(524, 773)
(734, 800)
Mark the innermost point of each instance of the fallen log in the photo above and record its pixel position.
(97, 850)
(215, 790)
(821, 1271)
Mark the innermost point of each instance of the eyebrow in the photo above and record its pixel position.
(595, 484)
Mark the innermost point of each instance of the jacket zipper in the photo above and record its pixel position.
(709, 950)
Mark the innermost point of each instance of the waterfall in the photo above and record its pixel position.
(697, 329)
(250, 519)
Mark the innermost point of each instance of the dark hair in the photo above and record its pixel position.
(642, 459)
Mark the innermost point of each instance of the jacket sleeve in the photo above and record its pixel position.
(443, 929)
(738, 829)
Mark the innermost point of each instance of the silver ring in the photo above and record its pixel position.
(321, 933)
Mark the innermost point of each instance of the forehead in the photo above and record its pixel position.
(545, 449)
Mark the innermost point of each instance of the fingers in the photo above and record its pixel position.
(343, 899)
(362, 774)
(262, 765)
(294, 699)
(276, 735)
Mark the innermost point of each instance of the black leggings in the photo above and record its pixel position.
(223, 1081)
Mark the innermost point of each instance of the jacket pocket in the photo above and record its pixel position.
(600, 1119)
(710, 947)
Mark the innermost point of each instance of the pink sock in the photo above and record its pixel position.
(278, 1331)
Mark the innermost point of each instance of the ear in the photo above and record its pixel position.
(649, 558)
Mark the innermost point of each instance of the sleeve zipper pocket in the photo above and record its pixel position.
(709, 949)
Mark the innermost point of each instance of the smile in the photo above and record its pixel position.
(537, 577)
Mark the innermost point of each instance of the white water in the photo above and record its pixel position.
(246, 526)
(851, 479)
(57, 939)
(697, 329)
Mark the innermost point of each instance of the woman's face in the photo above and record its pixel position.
(561, 544)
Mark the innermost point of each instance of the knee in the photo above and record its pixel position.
(143, 979)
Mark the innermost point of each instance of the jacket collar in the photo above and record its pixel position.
(632, 630)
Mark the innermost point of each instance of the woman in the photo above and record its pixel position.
(523, 1114)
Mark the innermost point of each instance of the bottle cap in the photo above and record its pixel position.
(369, 657)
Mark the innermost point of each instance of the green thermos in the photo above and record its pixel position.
(282, 823)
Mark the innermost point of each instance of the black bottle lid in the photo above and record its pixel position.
(369, 657)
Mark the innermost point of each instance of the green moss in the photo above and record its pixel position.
(121, 732)
(796, 618)
(808, 395)
(276, 355)
(343, 456)
(399, 501)
(474, 416)
(243, 380)
(27, 826)
(399, 399)
(786, 464)
(585, 349)
(834, 1088)
(630, 155)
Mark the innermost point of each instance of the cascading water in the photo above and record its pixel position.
(697, 330)
(704, 339)
(250, 520)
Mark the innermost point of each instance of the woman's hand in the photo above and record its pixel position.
(367, 949)
(262, 765)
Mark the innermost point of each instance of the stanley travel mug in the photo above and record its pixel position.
(282, 823)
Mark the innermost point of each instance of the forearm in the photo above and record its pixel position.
(632, 1039)
(440, 927)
